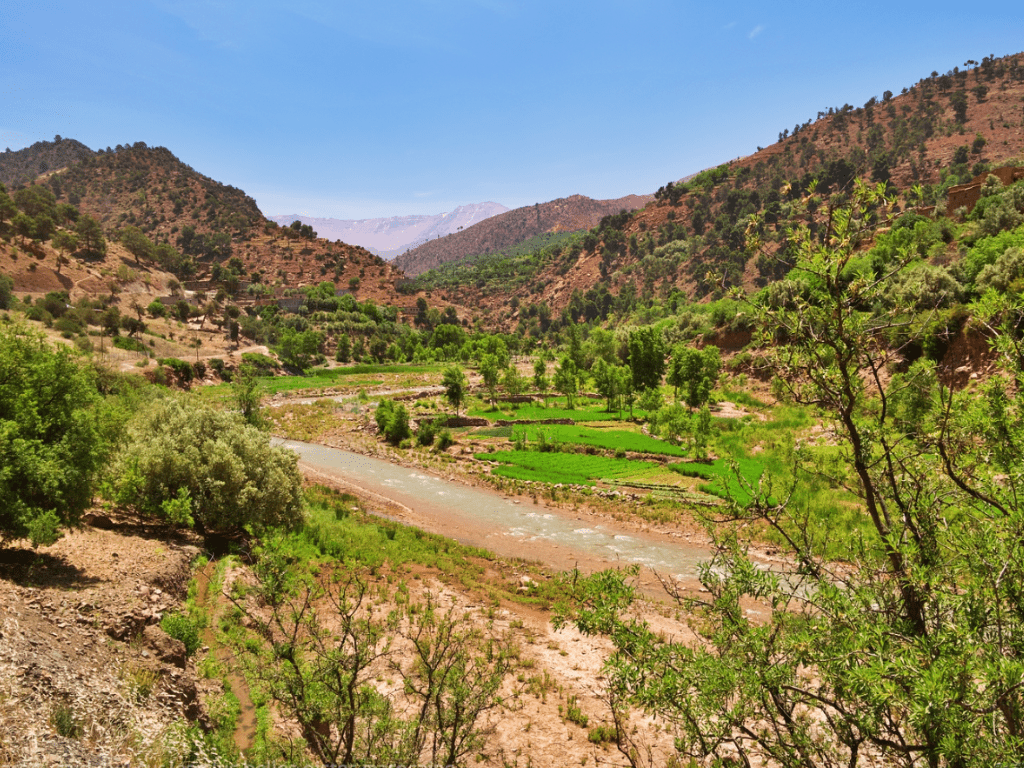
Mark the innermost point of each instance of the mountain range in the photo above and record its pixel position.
(388, 237)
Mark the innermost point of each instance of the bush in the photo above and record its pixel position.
(444, 440)
(233, 476)
(426, 432)
(183, 628)
(50, 441)
(393, 421)
(6, 292)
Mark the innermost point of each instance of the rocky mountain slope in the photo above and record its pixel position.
(204, 222)
(388, 237)
(942, 131)
(568, 214)
(23, 165)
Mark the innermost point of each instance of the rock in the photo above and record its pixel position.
(165, 647)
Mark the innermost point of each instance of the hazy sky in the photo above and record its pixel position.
(359, 110)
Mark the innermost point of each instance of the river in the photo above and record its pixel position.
(561, 538)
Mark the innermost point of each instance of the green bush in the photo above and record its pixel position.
(50, 439)
(232, 474)
(444, 440)
(183, 628)
(426, 432)
(393, 421)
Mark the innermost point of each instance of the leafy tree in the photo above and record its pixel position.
(567, 380)
(958, 101)
(50, 441)
(234, 477)
(137, 244)
(299, 348)
(248, 395)
(490, 372)
(904, 654)
(454, 382)
(695, 371)
(646, 357)
(513, 381)
(65, 242)
(344, 351)
(540, 378)
(393, 421)
(90, 236)
(6, 292)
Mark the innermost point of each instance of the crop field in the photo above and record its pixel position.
(585, 410)
(611, 439)
(574, 468)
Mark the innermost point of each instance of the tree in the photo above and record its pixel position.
(299, 348)
(646, 357)
(904, 654)
(540, 379)
(695, 371)
(958, 101)
(567, 380)
(137, 244)
(90, 236)
(233, 476)
(513, 381)
(6, 292)
(490, 372)
(65, 242)
(393, 421)
(454, 382)
(50, 441)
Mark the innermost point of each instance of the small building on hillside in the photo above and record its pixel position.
(967, 195)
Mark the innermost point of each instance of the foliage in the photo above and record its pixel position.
(319, 644)
(232, 474)
(567, 380)
(182, 627)
(695, 371)
(50, 439)
(646, 357)
(575, 468)
(454, 382)
(905, 654)
(6, 292)
(393, 421)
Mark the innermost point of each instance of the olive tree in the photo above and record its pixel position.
(231, 474)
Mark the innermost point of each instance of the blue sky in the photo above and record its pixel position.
(360, 110)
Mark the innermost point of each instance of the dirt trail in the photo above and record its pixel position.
(245, 729)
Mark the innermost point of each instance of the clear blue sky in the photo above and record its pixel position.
(359, 110)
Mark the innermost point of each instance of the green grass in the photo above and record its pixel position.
(574, 468)
(585, 410)
(724, 482)
(611, 439)
(335, 528)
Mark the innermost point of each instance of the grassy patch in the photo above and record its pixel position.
(585, 410)
(574, 468)
(337, 527)
(611, 439)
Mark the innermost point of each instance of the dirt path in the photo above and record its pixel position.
(245, 729)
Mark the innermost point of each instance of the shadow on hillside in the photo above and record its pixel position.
(31, 568)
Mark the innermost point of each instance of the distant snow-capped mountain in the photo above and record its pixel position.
(395, 235)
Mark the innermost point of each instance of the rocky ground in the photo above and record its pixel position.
(87, 677)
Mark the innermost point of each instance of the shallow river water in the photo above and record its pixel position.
(481, 517)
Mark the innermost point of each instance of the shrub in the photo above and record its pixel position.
(232, 474)
(393, 421)
(426, 432)
(50, 442)
(444, 440)
(183, 628)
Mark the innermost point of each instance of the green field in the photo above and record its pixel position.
(574, 468)
(585, 410)
(599, 437)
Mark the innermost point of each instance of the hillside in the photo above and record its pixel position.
(197, 225)
(942, 131)
(568, 214)
(388, 237)
(23, 165)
